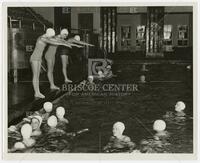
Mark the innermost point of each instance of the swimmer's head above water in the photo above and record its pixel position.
(180, 106)
(118, 129)
(52, 121)
(142, 79)
(60, 112)
(26, 131)
(77, 38)
(36, 122)
(64, 33)
(100, 73)
(159, 125)
(48, 107)
(108, 67)
(50, 32)
(90, 79)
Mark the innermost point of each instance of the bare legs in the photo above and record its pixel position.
(36, 66)
(64, 59)
(50, 65)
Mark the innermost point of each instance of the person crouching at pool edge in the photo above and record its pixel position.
(119, 142)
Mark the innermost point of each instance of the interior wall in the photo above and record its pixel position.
(179, 19)
(96, 16)
(46, 12)
(133, 20)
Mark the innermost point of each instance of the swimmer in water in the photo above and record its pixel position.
(159, 126)
(36, 57)
(179, 114)
(119, 142)
(52, 123)
(142, 79)
(179, 108)
(159, 141)
(144, 69)
(36, 122)
(60, 113)
(91, 79)
(101, 75)
(27, 141)
(108, 72)
(45, 111)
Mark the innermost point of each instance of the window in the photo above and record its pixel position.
(167, 35)
(126, 37)
(140, 37)
(182, 35)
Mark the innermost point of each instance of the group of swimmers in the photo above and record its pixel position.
(29, 130)
(60, 44)
(122, 143)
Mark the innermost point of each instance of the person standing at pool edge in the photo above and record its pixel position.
(50, 58)
(64, 55)
(36, 57)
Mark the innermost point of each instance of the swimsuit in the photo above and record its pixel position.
(38, 51)
(63, 50)
(51, 52)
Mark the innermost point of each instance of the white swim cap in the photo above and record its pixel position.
(39, 118)
(109, 67)
(100, 72)
(77, 37)
(26, 131)
(12, 128)
(60, 111)
(52, 121)
(119, 125)
(64, 31)
(19, 145)
(48, 106)
(142, 78)
(159, 125)
(50, 32)
(189, 67)
(180, 106)
(90, 77)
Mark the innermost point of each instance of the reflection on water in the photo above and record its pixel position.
(137, 111)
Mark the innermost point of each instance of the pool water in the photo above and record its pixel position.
(166, 84)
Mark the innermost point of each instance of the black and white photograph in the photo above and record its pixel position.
(100, 80)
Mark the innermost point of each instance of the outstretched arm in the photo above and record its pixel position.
(54, 41)
(79, 42)
(71, 44)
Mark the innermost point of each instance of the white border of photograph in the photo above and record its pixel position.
(97, 156)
